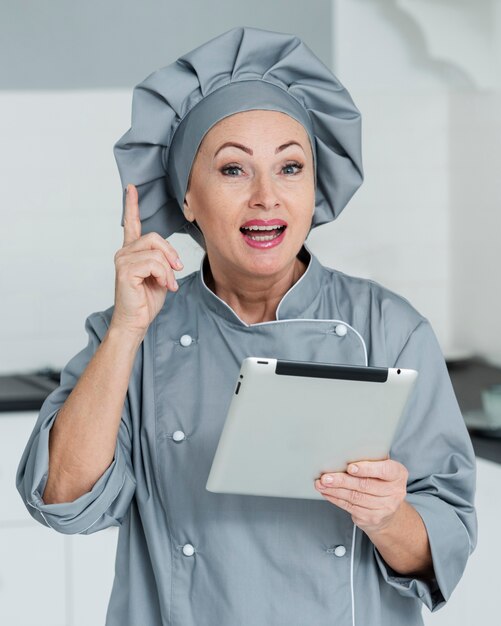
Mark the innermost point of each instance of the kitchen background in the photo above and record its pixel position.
(426, 75)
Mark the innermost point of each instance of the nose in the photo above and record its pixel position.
(264, 192)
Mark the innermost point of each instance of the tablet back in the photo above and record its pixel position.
(290, 421)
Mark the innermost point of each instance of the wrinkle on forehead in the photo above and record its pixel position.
(234, 128)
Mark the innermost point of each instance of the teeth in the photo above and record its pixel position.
(276, 230)
(262, 237)
(261, 227)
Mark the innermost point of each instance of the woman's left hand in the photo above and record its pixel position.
(371, 491)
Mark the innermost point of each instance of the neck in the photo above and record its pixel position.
(254, 300)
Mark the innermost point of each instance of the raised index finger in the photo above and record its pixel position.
(132, 222)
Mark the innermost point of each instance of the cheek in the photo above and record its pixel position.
(217, 210)
(306, 192)
(306, 205)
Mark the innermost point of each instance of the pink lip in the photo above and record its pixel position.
(264, 223)
(265, 245)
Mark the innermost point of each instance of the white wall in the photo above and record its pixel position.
(61, 210)
(60, 219)
(61, 213)
(396, 228)
(409, 226)
(427, 77)
(475, 181)
(60, 189)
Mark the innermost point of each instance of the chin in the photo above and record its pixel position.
(269, 262)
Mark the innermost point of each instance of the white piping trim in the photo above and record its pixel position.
(366, 358)
(101, 515)
(33, 506)
(351, 575)
(296, 319)
(90, 525)
(354, 535)
(295, 284)
(299, 319)
(326, 321)
(279, 304)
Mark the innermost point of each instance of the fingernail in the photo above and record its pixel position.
(327, 480)
(353, 469)
(179, 263)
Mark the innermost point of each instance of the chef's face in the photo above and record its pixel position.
(254, 169)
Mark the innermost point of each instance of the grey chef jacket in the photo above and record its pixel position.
(190, 557)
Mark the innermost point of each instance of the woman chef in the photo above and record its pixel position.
(246, 143)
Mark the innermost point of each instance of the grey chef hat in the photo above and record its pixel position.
(242, 69)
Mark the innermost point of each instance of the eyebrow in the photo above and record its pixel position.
(249, 151)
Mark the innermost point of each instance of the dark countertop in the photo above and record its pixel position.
(468, 378)
(26, 392)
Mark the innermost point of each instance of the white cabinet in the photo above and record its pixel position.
(91, 574)
(15, 429)
(33, 588)
(46, 578)
(476, 598)
(49, 579)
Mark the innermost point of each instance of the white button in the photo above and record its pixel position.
(188, 550)
(178, 435)
(340, 551)
(186, 340)
(341, 330)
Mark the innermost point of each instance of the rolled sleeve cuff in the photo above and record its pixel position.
(99, 508)
(450, 549)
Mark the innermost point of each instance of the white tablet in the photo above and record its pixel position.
(290, 421)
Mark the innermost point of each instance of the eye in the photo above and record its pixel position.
(292, 164)
(229, 170)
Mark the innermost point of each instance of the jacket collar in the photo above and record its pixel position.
(293, 303)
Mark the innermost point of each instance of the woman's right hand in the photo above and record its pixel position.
(143, 272)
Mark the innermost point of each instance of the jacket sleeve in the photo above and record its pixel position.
(108, 500)
(432, 442)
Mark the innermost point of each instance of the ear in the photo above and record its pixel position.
(188, 213)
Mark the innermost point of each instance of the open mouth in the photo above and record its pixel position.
(262, 233)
